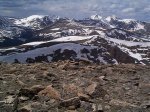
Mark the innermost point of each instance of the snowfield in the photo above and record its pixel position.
(34, 43)
(22, 57)
(29, 20)
(72, 38)
(62, 39)
(129, 43)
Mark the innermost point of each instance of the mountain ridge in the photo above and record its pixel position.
(121, 40)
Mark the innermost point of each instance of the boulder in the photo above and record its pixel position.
(23, 99)
(72, 89)
(30, 92)
(86, 106)
(19, 82)
(50, 92)
(73, 102)
(84, 97)
(37, 88)
(97, 108)
(26, 108)
(95, 91)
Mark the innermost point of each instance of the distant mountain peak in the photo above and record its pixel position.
(96, 17)
(113, 17)
(34, 17)
(35, 21)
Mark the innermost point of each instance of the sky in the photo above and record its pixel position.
(78, 9)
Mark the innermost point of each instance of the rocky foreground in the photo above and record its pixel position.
(74, 87)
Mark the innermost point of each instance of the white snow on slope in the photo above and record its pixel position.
(55, 29)
(62, 39)
(30, 18)
(72, 38)
(109, 18)
(129, 43)
(9, 32)
(34, 21)
(127, 21)
(49, 50)
(96, 17)
(27, 21)
(7, 49)
(134, 55)
(138, 26)
(34, 43)
(101, 33)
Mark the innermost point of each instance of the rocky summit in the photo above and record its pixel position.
(69, 86)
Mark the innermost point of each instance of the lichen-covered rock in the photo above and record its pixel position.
(95, 90)
(71, 102)
(26, 108)
(50, 92)
(31, 92)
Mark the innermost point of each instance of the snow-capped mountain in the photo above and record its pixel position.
(128, 24)
(97, 39)
(36, 21)
(5, 22)
(96, 17)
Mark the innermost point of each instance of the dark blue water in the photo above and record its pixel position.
(138, 9)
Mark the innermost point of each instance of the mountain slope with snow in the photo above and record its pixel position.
(97, 39)
(36, 21)
(127, 24)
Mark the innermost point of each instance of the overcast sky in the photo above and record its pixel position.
(138, 9)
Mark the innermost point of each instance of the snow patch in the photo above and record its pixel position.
(34, 43)
(27, 21)
(22, 57)
(129, 43)
(72, 38)
(55, 29)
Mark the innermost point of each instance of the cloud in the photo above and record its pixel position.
(128, 10)
(7, 11)
(113, 6)
(77, 8)
(147, 9)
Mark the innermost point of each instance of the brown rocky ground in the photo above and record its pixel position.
(74, 87)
